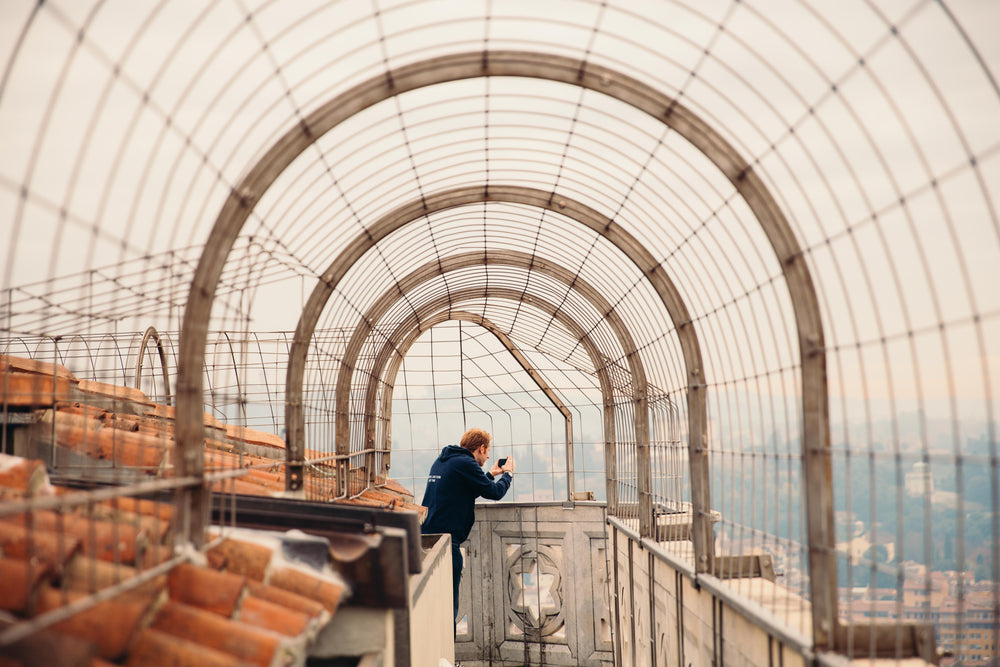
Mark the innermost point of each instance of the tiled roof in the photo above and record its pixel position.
(240, 602)
(120, 427)
(245, 603)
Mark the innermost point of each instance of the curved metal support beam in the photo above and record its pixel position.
(815, 409)
(496, 258)
(406, 334)
(435, 268)
(151, 334)
(703, 536)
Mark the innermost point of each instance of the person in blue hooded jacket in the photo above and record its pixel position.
(455, 481)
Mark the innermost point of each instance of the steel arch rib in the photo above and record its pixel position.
(593, 220)
(429, 315)
(243, 198)
(523, 260)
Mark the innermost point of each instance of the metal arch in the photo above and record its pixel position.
(460, 261)
(405, 335)
(431, 314)
(506, 258)
(703, 536)
(815, 409)
(151, 334)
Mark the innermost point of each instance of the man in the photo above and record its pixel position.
(455, 481)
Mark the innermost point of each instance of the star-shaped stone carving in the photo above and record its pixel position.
(537, 597)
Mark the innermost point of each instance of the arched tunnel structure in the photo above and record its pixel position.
(726, 271)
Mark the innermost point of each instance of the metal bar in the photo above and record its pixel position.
(616, 623)
(631, 602)
(341, 457)
(651, 585)
(151, 334)
(570, 463)
(610, 454)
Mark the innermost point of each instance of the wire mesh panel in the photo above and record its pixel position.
(459, 376)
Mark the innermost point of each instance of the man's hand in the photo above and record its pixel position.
(508, 466)
(495, 471)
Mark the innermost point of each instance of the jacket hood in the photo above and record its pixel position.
(452, 451)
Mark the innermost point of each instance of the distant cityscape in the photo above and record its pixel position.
(913, 516)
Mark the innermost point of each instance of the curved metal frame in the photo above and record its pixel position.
(815, 409)
(151, 334)
(390, 358)
(436, 268)
(703, 536)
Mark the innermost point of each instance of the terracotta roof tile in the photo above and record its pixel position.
(144, 442)
(261, 613)
(102, 539)
(288, 599)
(12, 364)
(327, 592)
(240, 487)
(160, 511)
(83, 409)
(18, 580)
(160, 649)
(36, 545)
(359, 481)
(205, 588)
(152, 526)
(24, 475)
(248, 596)
(270, 480)
(90, 575)
(169, 412)
(240, 557)
(113, 391)
(137, 450)
(27, 390)
(128, 612)
(250, 644)
(193, 615)
(253, 437)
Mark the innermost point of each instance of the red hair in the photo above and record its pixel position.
(475, 438)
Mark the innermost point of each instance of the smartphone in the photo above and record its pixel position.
(502, 461)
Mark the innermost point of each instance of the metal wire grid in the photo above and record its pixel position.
(477, 385)
(244, 377)
(873, 147)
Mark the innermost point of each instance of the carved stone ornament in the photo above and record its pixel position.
(534, 588)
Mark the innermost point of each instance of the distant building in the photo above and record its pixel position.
(919, 481)
(961, 610)
(965, 630)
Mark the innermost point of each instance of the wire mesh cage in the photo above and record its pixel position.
(728, 268)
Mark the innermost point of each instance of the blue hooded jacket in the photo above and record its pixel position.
(454, 483)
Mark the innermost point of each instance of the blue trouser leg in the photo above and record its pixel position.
(456, 572)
